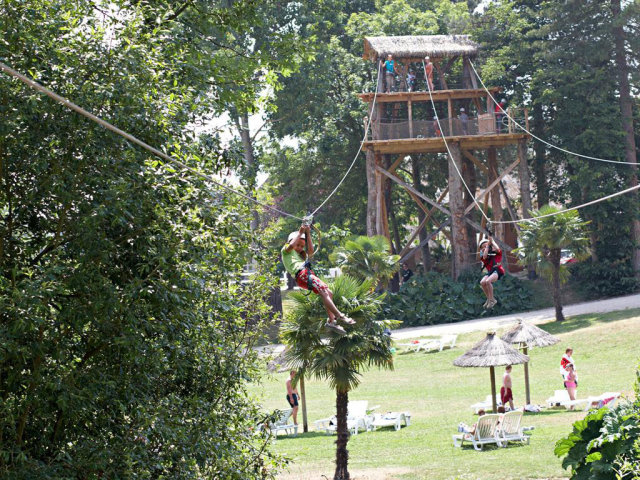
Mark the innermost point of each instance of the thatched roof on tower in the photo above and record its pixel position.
(529, 335)
(419, 46)
(491, 352)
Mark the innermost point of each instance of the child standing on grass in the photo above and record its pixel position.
(491, 258)
(295, 255)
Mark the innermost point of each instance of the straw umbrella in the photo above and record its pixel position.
(528, 336)
(491, 352)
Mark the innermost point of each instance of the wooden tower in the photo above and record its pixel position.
(403, 124)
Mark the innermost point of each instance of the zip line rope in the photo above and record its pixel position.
(36, 86)
(447, 145)
(364, 138)
(540, 139)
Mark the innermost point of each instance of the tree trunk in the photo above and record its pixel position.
(469, 175)
(249, 160)
(496, 204)
(540, 157)
(622, 70)
(459, 242)
(426, 253)
(554, 257)
(342, 455)
(525, 192)
(372, 196)
(303, 406)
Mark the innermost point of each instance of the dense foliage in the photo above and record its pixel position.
(605, 445)
(436, 298)
(124, 335)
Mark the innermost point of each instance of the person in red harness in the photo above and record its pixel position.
(491, 258)
(295, 257)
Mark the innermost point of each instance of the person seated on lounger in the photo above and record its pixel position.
(463, 427)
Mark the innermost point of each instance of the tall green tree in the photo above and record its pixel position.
(124, 337)
(544, 238)
(340, 360)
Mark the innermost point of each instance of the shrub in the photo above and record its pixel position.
(604, 279)
(437, 298)
(605, 445)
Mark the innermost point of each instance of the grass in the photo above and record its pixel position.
(438, 396)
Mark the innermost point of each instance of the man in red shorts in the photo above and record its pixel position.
(506, 395)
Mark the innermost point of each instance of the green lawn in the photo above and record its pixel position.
(438, 396)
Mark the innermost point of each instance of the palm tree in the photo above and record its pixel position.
(367, 257)
(544, 238)
(340, 359)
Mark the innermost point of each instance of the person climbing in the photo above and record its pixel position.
(491, 258)
(295, 257)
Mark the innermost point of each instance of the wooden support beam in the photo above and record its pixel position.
(410, 115)
(424, 222)
(437, 145)
(444, 210)
(450, 110)
(475, 160)
(512, 211)
(412, 252)
(395, 164)
(423, 96)
(495, 182)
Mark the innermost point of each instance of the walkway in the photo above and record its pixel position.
(536, 316)
(494, 323)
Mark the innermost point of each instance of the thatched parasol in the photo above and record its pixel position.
(491, 352)
(528, 336)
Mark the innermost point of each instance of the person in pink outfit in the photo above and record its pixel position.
(570, 382)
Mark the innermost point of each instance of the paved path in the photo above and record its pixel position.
(536, 316)
(494, 323)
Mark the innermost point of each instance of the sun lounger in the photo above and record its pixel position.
(486, 432)
(561, 398)
(486, 404)
(359, 417)
(391, 419)
(509, 429)
(607, 398)
(431, 344)
(281, 424)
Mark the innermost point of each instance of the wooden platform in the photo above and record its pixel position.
(438, 95)
(437, 145)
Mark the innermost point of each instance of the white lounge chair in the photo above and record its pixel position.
(391, 419)
(485, 433)
(281, 424)
(358, 417)
(608, 399)
(509, 429)
(561, 398)
(486, 404)
(448, 341)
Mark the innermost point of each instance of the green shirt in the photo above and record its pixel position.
(292, 260)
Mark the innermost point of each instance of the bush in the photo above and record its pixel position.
(604, 445)
(437, 298)
(604, 279)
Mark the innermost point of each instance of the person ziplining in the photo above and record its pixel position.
(296, 257)
(491, 258)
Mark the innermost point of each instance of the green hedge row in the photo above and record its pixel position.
(436, 298)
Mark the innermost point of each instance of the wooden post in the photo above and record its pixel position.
(372, 193)
(459, 243)
(450, 108)
(525, 190)
(492, 374)
(379, 197)
(526, 377)
(496, 205)
(410, 115)
(305, 423)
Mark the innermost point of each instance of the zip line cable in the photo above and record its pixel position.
(364, 139)
(447, 146)
(540, 139)
(35, 85)
(592, 202)
(533, 219)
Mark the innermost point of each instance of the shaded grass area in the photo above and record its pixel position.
(438, 396)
